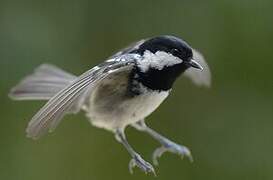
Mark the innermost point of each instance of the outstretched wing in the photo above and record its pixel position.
(42, 84)
(73, 96)
(200, 78)
(129, 48)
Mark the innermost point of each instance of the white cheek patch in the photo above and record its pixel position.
(159, 60)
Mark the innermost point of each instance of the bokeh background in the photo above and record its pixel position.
(229, 127)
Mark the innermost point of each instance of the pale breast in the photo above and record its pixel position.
(112, 107)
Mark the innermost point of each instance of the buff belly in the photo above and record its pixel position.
(111, 106)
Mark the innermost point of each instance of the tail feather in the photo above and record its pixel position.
(43, 84)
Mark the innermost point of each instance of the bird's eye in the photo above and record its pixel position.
(174, 51)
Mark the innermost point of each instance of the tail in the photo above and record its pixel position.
(43, 84)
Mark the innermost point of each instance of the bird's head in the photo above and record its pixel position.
(164, 58)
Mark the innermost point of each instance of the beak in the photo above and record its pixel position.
(194, 64)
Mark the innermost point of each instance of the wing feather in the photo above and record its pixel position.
(200, 78)
(73, 95)
(42, 84)
(129, 49)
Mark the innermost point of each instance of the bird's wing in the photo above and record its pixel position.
(128, 49)
(73, 96)
(42, 84)
(199, 77)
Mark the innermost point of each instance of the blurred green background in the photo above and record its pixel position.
(229, 127)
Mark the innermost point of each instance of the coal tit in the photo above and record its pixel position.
(121, 91)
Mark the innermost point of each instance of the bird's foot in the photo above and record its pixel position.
(142, 164)
(173, 148)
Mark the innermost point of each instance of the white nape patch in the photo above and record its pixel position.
(159, 60)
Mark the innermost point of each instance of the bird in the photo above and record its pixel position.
(121, 91)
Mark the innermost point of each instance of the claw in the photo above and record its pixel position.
(142, 164)
(157, 154)
(173, 148)
(132, 164)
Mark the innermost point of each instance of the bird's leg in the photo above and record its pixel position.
(136, 158)
(167, 145)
